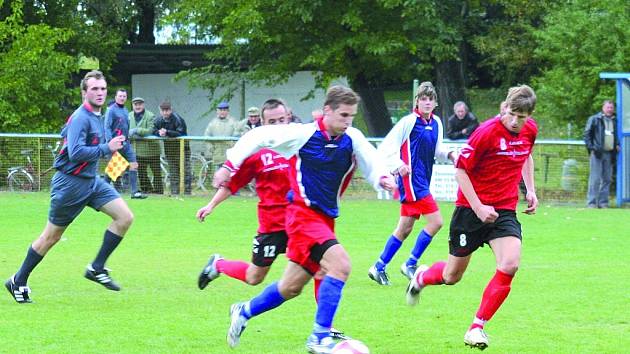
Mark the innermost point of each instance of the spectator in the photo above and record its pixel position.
(117, 124)
(601, 141)
(252, 121)
(224, 124)
(141, 122)
(170, 125)
(462, 123)
(292, 117)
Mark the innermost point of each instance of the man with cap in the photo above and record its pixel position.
(141, 122)
(222, 125)
(252, 121)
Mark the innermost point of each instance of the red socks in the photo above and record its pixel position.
(433, 275)
(316, 283)
(496, 291)
(233, 269)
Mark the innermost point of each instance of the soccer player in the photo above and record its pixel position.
(272, 184)
(76, 185)
(410, 149)
(322, 156)
(488, 171)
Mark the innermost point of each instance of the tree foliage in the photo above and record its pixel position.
(577, 42)
(33, 73)
(40, 44)
(372, 43)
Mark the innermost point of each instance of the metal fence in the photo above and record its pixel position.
(186, 165)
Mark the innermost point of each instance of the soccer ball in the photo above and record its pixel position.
(350, 346)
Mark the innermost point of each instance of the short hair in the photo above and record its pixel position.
(165, 105)
(271, 104)
(338, 95)
(121, 90)
(94, 74)
(521, 99)
(426, 89)
(607, 102)
(460, 103)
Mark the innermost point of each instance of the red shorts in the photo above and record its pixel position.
(307, 228)
(424, 206)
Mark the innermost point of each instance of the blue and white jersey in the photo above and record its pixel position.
(83, 143)
(416, 142)
(321, 165)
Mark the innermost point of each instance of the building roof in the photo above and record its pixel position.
(158, 59)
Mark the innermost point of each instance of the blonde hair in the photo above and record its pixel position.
(521, 99)
(338, 95)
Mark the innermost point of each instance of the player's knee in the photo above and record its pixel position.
(51, 238)
(254, 279)
(125, 219)
(407, 228)
(452, 278)
(291, 290)
(508, 268)
(341, 269)
(437, 225)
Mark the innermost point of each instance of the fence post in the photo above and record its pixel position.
(182, 171)
(38, 174)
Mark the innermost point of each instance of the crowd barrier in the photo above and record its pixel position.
(186, 165)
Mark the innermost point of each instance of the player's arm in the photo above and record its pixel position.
(286, 140)
(222, 194)
(528, 178)
(370, 162)
(79, 151)
(389, 149)
(485, 213)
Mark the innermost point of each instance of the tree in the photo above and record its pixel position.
(579, 40)
(34, 74)
(40, 44)
(372, 43)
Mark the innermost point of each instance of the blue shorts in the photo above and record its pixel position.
(70, 194)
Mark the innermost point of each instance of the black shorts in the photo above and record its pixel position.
(467, 232)
(266, 247)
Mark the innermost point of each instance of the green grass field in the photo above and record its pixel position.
(572, 294)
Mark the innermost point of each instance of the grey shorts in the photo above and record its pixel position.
(70, 194)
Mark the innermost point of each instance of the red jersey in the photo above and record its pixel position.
(493, 159)
(272, 185)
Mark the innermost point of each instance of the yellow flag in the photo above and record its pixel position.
(116, 166)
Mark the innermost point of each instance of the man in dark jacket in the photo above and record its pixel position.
(170, 125)
(601, 141)
(462, 123)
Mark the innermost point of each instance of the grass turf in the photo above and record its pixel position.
(570, 295)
